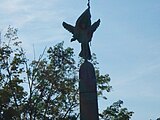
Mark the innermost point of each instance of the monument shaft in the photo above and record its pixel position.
(88, 92)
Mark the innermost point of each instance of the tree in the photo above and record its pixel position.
(46, 88)
(115, 112)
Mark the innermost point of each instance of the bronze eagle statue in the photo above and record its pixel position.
(83, 32)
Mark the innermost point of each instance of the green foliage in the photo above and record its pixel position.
(46, 88)
(52, 84)
(12, 94)
(115, 112)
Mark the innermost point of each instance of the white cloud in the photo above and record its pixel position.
(12, 6)
(21, 12)
(36, 20)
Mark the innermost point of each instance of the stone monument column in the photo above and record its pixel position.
(83, 33)
(88, 92)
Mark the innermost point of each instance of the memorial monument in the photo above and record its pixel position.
(83, 33)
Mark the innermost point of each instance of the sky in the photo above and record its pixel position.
(127, 43)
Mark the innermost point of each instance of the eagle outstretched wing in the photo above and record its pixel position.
(95, 26)
(85, 19)
(68, 27)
